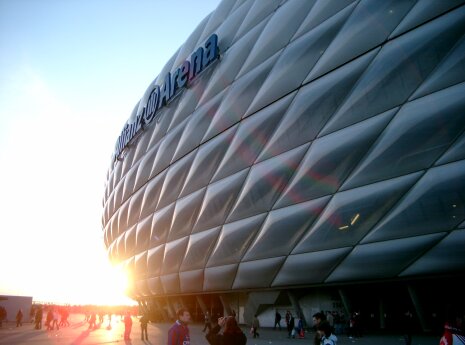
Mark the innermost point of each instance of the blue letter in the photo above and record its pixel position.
(152, 104)
(184, 74)
(211, 50)
(165, 91)
(174, 82)
(196, 63)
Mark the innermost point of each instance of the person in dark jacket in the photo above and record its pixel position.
(2, 315)
(232, 334)
(277, 320)
(213, 336)
(144, 321)
(19, 318)
(38, 318)
(255, 326)
(290, 325)
(207, 322)
(318, 318)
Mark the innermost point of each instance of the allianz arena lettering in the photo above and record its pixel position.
(173, 83)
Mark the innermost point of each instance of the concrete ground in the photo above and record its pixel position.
(78, 334)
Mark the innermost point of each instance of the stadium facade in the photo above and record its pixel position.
(301, 155)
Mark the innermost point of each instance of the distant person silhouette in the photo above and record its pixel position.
(207, 322)
(144, 320)
(255, 326)
(277, 320)
(92, 320)
(38, 318)
(19, 318)
(49, 319)
(55, 319)
(109, 321)
(290, 326)
(2, 315)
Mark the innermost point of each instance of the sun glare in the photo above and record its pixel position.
(116, 282)
(108, 285)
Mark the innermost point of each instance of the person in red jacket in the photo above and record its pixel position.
(178, 334)
(454, 332)
(127, 326)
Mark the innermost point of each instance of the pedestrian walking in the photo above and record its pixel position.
(55, 319)
(92, 320)
(255, 327)
(38, 318)
(287, 318)
(19, 318)
(127, 326)
(277, 320)
(290, 327)
(3, 314)
(207, 322)
(144, 320)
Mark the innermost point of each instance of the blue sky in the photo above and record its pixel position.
(71, 71)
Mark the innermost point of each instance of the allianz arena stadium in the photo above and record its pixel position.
(299, 155)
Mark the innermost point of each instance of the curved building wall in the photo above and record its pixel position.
(326, 145)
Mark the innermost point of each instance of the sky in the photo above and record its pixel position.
(71, 73)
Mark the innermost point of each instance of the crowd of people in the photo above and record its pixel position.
(55, 317)
(224, 330)
(96, 319)
(18, 318)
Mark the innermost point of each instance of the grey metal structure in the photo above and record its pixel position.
(326, 146)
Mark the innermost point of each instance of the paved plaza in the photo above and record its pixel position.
(79, 334)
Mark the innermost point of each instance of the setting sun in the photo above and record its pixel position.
(114, 289)
(111, 289)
